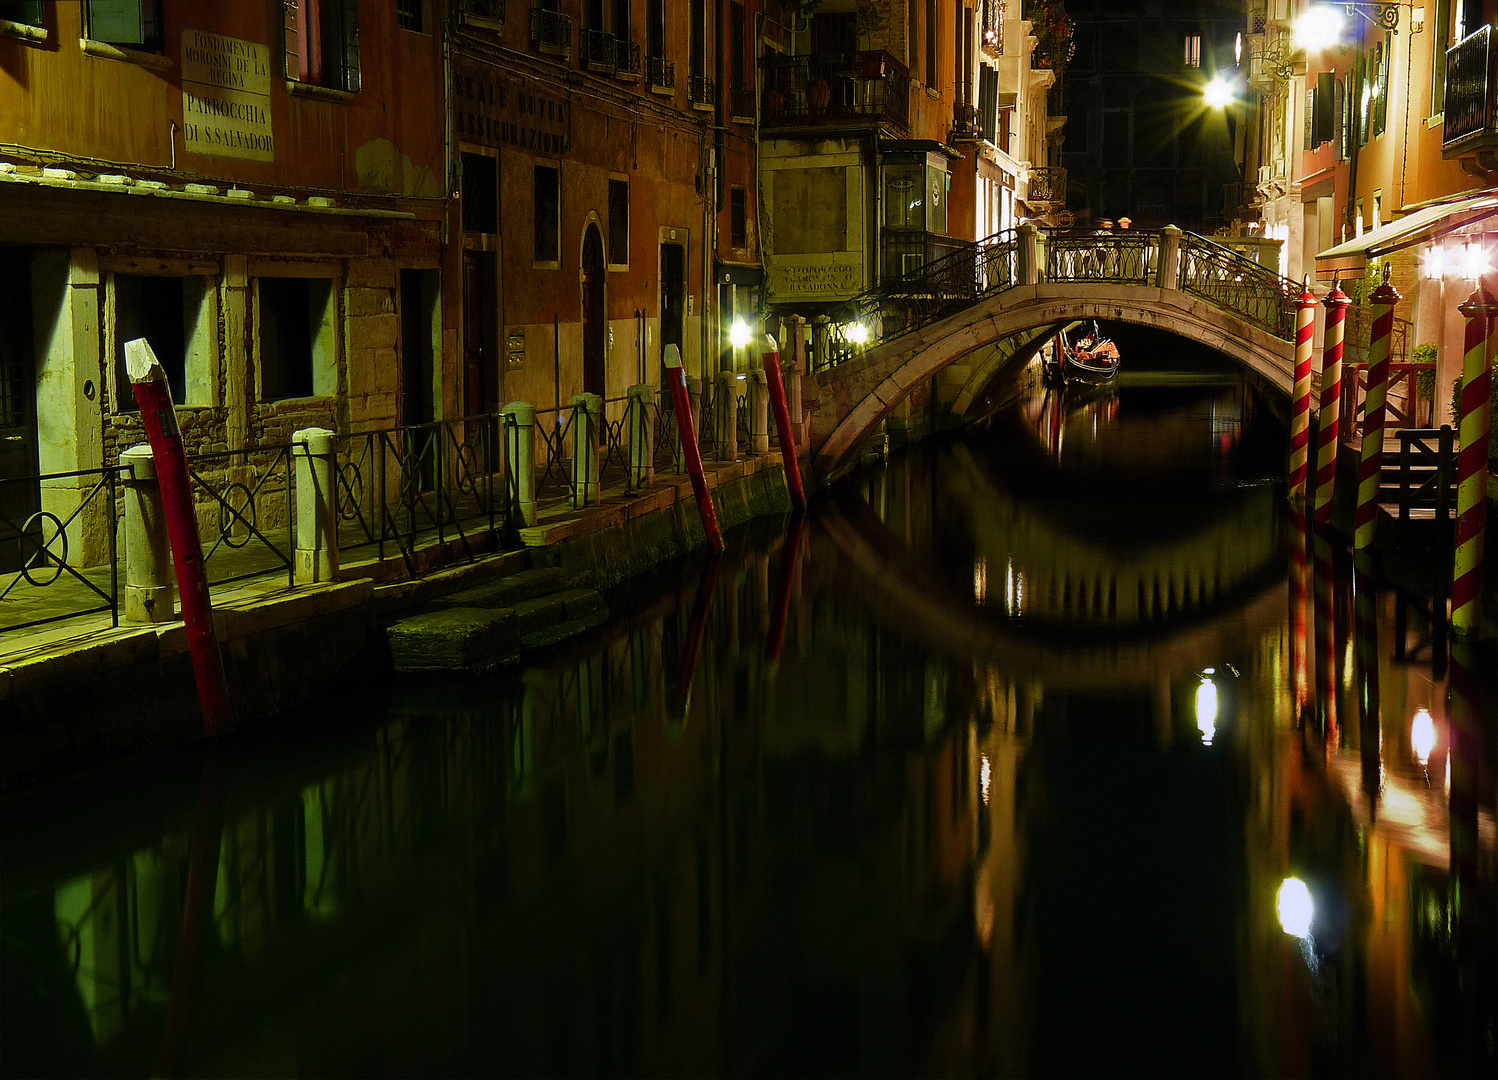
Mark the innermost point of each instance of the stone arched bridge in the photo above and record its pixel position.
(1016, 289)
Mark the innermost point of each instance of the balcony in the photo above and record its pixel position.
(597, 49)
(661, 74)
(1047, 189)
(627, 62)
(484, 12)
(742, 99)
(991, 34)
(701, 91)
(967, 123)
(835, 88)
(904, 251)
(551, 32)
(1469, 93)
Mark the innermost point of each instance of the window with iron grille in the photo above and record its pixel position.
(322, 43)
(408, 14)
(134, 24)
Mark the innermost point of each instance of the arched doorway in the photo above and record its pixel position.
(595, 328)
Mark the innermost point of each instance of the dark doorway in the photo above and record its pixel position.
(480, 334)
(595, 328)
(418, 297)
(673, 295)
(20, 497)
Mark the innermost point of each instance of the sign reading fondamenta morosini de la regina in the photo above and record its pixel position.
(225, 96)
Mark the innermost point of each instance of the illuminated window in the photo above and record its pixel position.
(134, 24)
(321, 40)
(1193, 50)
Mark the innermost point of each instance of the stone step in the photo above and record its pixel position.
(513, 589)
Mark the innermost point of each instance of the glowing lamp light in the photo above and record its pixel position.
(1319, 28)
(1472, 262)
(738, 334)
(1423, 735)
(857, 333)
(1219, 92)
(1435, 262)
(1206, 710)
(1295, 908)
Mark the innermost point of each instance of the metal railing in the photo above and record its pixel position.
(596, 48)
(627, 61)
(905, 251)
(1047, 185)
(701, 91)
(660, 72)
(1129, 258)
(551, 30)
(741, 101)
(492, 10)
(42, 578)
(836, 87)
(1469, 86)
(441, 481)
(250, 499)
(1239, 284)
(967, 122)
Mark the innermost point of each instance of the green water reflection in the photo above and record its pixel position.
(994, 767)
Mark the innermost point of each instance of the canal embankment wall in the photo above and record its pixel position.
(73, 702)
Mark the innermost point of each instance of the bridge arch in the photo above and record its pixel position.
(854, 397)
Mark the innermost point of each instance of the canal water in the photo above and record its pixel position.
(1053, 750)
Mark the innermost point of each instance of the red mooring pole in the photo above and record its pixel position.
(677, 378)
(1329, 423)
(1300, 409)
(790, 561)
(681, 701)
(1472, 461)
(159, 418)
(770, 356)
(1375, 400)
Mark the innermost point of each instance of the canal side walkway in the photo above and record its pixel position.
(80, 691)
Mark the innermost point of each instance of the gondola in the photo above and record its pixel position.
(1093, 359)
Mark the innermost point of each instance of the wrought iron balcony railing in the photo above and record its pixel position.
(906, 251)
(485, 10)
(1469, 87)
(742, 102)
(597, 49)
(1047, 185)
(833, 88)
(627, 59)
(701, 91)
(992, 34)
(661, 73)
(551, 31)
(967, 123)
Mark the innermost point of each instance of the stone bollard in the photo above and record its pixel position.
(316, 471)
(149, 596)
(759, 413)
(641, 436)
(1029, 254)
(1170, 258)
(729, 389)
(587, 422)
(520, 460)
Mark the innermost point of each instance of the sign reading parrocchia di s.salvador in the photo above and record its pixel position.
(225, 96)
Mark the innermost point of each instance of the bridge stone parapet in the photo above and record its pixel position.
(1223, 302)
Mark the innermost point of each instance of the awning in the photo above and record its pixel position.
(1427, 223)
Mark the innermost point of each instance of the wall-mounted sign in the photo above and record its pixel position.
(225, 97)
(505, 110)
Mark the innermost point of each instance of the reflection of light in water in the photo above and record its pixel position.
(1448, 775)
(1423, 735)
(1014, 589)
(980, 580)
(1206, 710)
(985, 777)
(1295, 908)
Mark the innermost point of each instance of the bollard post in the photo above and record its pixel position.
(676, 379)
(1472, 462)
(520, 459)
(1329, 421)
(728, 415)
(783, 423)
(1170, 258)
(149, 596)
(1029, 254)
(316, 471)
(1371, 456)
(759, 413)
(641, 436)
(159, 418)
(1300, 407)
(587, 412)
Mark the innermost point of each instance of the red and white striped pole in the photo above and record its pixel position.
(1331, 403)
(1300, 410)
(159, 417)
(1376, 396)
(1472, 461)
(770, 356)
(681, 403)
(1299, 665)
(1323, 571)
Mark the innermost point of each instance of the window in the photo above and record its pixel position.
(480, 194)
(1193, 56)
(297, 321)
(408, 14)
(134, 24)
(322, 43)
(697, 46)
(655, 28)
(912, 58)
(621, 20)
(904, 196)
(1441, 39)
(548, 212)
(931, 24)
(1380, 68)
(618, 254)
(738, 218)
(736, 39)
(27, 13)
(178, 316)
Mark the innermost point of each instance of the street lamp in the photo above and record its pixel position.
(1296, 908)
(1219, 92)
(1319, 28)
(738, 334)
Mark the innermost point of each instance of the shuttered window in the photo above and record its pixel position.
(322, 43)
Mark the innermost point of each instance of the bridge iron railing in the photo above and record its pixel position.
(1239, 284)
